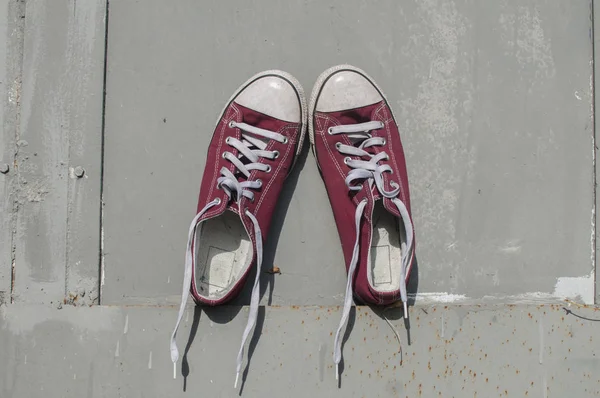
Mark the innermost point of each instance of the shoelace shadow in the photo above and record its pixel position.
(260, 320)
(185, 366)
(395, 313)
(221, 315)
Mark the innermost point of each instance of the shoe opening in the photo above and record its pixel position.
(223, 254)
(388, 244)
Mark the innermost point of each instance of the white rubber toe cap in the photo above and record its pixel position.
(346, 89)
(273, 96)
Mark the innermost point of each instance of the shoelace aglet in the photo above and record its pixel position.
(237, 376)
(337, 371)
(405, 309)
(174, 370)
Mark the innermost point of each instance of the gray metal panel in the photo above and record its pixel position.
(11, 53)
(596, 40)
(61, 113)
(85, 149)
(163, 97)
(455, 351)
(493, 100)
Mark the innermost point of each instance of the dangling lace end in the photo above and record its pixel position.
(174, 370)
(237, 377)
(405, 309)
(337, 371)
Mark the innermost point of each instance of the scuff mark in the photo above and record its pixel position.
(126, 328)
(321, 362)
(117, 349)
(439, 297)
(442, 334)
(510, 248)
(574, 287)
(36, 192)
(541, 328)
(150, 360)
(545, 386)
(102, 273)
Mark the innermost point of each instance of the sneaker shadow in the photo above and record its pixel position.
(267, 280)
(221, 315)
(396, 313)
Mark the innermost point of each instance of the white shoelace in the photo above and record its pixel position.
(372, 171)
(233, 188)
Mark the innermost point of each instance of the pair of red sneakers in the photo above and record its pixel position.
(257, 140)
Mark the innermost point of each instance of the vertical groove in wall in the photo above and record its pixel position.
(101, 253)
(594, 151)
(15, 48)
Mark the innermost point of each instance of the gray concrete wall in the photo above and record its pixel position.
(494, 103)
(106, 111)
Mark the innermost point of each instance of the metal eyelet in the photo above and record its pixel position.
(227, 140)
(251, 201)
(285, 140)
(330, 130)
(232, 124)
(338, 145)
(224, 154)
(346, 160)
(276, 153)
(384, 141)
(268, 169)
(259, 181)
(218, 201)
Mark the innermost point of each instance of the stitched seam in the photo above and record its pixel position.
(226, 120)
(335, 162)
(380, 107)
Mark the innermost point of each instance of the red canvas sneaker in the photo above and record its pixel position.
(253, 148)
(357, 145)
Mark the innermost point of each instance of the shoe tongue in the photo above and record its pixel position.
(375, 192)
(260, 120)
(355, 116)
